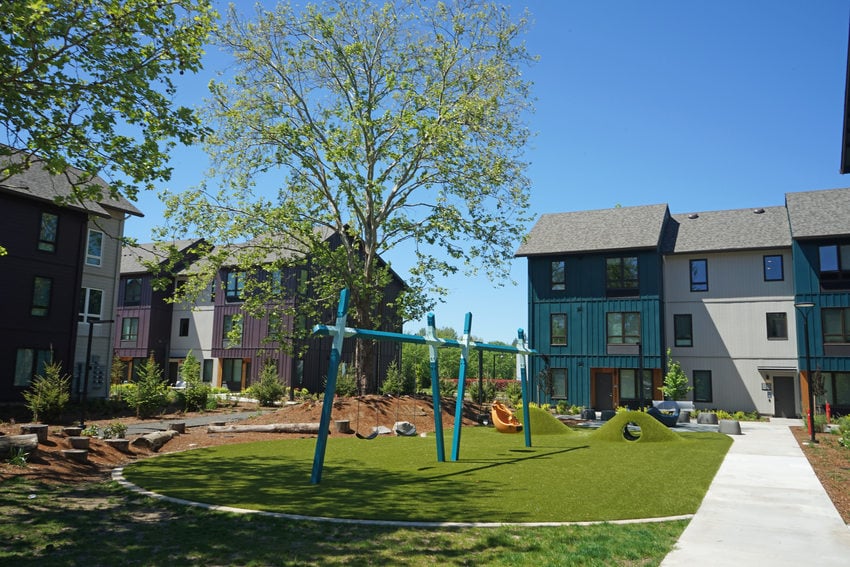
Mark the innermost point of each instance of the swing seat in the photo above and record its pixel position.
(404, 429)
(503, 419)
(367, 437)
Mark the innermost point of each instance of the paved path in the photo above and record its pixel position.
(162, 425)
(764, 507)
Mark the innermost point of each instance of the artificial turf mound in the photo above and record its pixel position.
(544, 423)
(651, 430)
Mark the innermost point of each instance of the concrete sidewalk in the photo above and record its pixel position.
(764, 507)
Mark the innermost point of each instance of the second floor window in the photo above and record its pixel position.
(683, 330)
(623, 328)
(836, 325)
(773, 271)
(699, 275)
(129, 328)
(91, 304)
(558, 275)
(558, 328)
(834, 266)
(94, 248)
(231, 331)
(621, 274)
(48, 232)
(234, 281)
(41, 290)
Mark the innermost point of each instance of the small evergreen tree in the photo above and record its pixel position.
(151, 393)
(196, 393)
(269, 389)
(675, 381)
(48, 394)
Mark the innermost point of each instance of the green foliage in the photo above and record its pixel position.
(268, 391)
(18, 457)
(151, 393)
(844, 431)
(389, 124)
(396, 383)
(513, 392)
(675, 381)
(48, 394)
(92, 430)
(346, 385)
(195, 393)
(488, 390)
(448, 388)
(88, 85)
(116, 372)
(115, 430)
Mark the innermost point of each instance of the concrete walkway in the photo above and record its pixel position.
(764, 507)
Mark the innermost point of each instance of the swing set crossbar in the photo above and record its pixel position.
(339, 332)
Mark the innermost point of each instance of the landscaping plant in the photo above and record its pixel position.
(196, 393)
(48, 394)
(268, 390)
(150, 395)
(675, 381)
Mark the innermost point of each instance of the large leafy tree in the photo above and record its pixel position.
(401, 122)
(87, 84)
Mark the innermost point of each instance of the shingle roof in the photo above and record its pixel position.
(620, 228)
(37, 183)
(819, 213)
(739, 229)
(135, 259)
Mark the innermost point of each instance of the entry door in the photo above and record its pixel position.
(783, 397)
(604, 382)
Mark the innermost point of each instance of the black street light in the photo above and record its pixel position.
(803, 308)
(85, 392)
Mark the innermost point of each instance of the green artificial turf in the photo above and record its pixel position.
(572, 477)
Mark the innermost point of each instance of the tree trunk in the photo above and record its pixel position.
(155, 440)
(9, 443)
(268, 428)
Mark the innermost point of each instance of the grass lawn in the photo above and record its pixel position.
(571, 476)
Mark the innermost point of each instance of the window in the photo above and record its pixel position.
(836, 386)
(777, 326)
(30, 362)
(623, 328)
(231, 331)
(836, 325)
(683, 330)
(558, 328)
(835, 266)
(94, 249)
(233, 284)
(129, 328)
(91, 304)
(559, 275)
(275, 328)
(132, 291)
(621, 274)
(184, 328)
(699, 275)
(48, 232)
(702, 385)
(628, 384)
(231, 373)
(559, 383)
(773, 271)
(41, 290)
(207, 372)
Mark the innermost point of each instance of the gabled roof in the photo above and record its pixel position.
(739, 229)
(135, 259)
(816, 214)
(620, 228)
(37, 183)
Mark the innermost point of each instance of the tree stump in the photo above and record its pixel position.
(38, 429)
(72, 431)
(79, 442)
(178, 426)
(122, 445)
(343, 426)
(9, 443)
(76, 455)
(155, 440)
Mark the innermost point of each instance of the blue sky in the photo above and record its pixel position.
(704, 105)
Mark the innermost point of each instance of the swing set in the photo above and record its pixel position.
(340, 332)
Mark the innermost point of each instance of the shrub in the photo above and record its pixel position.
(489, 391)
(48, 394)
(195, 394)
(151, 393)
(268, 390)
(844, 431)
(675, 381)
(396, 383)
(346, 385)
(115, 430)
(448, 387)
(513, 392)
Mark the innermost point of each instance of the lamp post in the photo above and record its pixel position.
(85, 392)
(803, 308)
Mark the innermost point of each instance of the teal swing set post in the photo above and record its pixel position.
(340, 332)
